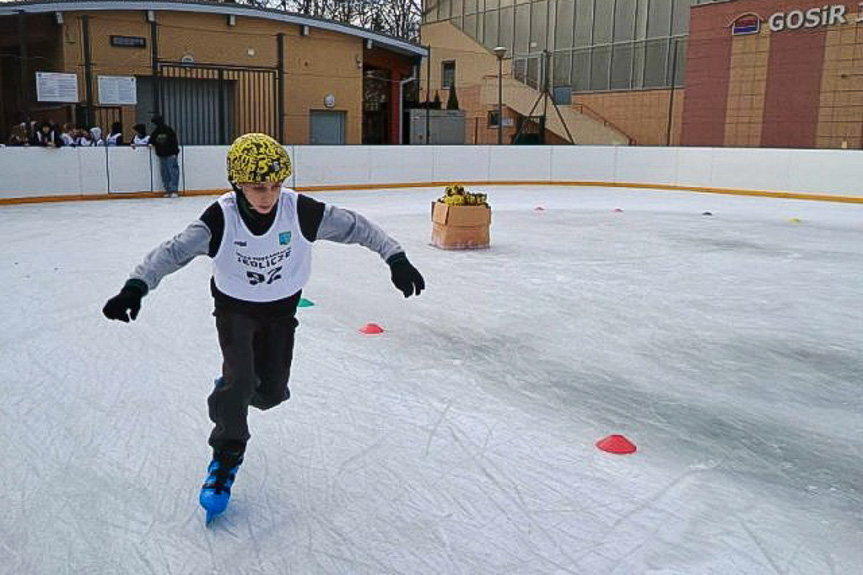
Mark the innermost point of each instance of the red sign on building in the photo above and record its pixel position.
(746, 24)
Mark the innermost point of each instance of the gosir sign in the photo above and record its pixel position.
(812, 18)
(828, 15)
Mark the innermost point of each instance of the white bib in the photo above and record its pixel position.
(263, 268)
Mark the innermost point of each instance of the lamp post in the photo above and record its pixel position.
(500, 51)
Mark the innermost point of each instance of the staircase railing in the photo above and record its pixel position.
(588, 111)
(521, 73)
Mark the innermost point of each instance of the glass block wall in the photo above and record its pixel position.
(595, 45)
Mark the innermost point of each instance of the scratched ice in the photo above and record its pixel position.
(729, 348)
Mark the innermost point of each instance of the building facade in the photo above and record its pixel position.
(595, 45)
(214, 70)
(662, 72)
(776, 73)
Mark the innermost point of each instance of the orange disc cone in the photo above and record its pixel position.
(616, 444)
(371, 329)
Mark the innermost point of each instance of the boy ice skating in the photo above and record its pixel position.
(260, 239)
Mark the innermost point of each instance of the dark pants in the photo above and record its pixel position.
(256, 355)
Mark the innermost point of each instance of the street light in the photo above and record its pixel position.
(500, 51)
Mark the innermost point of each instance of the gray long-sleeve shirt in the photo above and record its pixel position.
(317, 221)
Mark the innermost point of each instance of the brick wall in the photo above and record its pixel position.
(791, 88)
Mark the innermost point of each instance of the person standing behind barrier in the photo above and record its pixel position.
(83, 138)
(164, 141)
(68, 134)
(115, 138)
(141, 138)
(19, 135)
(47, 136)
(96, 133)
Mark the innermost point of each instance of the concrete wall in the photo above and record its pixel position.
(81, 172)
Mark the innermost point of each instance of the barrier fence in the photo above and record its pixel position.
(69, 173)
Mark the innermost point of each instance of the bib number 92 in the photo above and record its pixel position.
(256, 278)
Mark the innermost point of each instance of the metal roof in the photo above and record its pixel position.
(204, 7)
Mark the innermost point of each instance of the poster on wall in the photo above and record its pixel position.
(117, 91)
(56, 87)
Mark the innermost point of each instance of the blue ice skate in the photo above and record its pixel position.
(216, 491)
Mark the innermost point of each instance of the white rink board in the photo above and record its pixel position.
(520, 163)
(93, 170)
(84, 171)
(461, 164)
(584, 164)
(825, 171)
(39, 172)
(414, 164)
(206, 167)
(753, 169)
(694, 167)
(129, 169)
(332, 165)
(645, 166)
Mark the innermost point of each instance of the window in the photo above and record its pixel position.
(584, 22)
(680, 17)
(457, 8)
(563, 25)
(534, 75)
(506, 24)
(490, 40)
(522, 29)
(443, 9)
(600, 67)
(538, 26)
(621, 66)
(603, 21)
(641, 20)
(659, 18)
(638, 65)
(680, 67)
(561, 63)
(624, 20)
(493, 119)
(447, 74)
(655, 58)
(470, 25)
(581, 70)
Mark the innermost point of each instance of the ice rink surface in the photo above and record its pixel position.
(729, 348)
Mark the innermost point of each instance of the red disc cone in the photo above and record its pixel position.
(616, 444)
(371, 329)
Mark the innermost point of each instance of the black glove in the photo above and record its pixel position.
(405, 277)
(128, 300)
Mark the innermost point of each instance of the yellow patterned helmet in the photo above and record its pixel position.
(257, 158)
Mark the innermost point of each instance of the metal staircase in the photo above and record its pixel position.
(523, 92)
